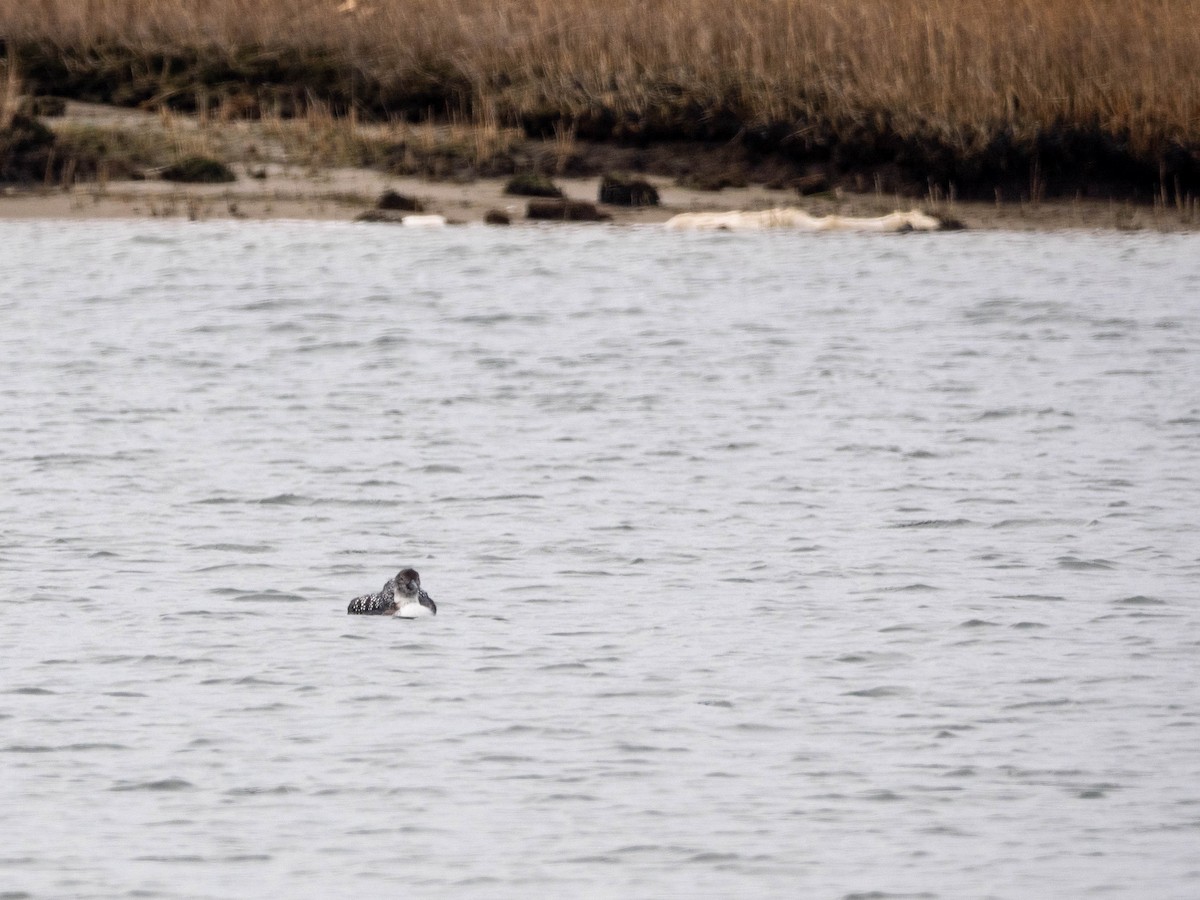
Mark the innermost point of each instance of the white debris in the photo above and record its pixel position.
(799, 220)
(424, 221)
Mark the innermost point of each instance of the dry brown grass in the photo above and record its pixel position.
(959, 70)
(1126, 64)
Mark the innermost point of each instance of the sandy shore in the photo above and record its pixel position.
(272, 186)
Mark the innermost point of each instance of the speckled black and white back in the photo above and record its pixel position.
(382, 603)
(400, 596)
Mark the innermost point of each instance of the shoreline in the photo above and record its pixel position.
(342, 195)
(284, 174)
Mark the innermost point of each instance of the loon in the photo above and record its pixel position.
(402, 596)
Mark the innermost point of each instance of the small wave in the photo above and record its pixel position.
(626, 747)
(172, 858)
(255, 791)
(270, 596)
(161, 784)
(711, 856)
(236, 548)
(255, 680)
(1083, 565)
(588, 860)
(240, 566)
(65, 748)
(869, 448)
(329, 345)
(933, 523)
(497, 498)
(653, 848)
(873, 657)
(1042, 704)
(998, 414)
(485, 319)
(286, 500)
(885, 796)
(881, 691)
(1035, 522)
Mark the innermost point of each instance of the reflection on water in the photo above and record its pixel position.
(767, 565)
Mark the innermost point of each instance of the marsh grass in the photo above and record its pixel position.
(964, 90)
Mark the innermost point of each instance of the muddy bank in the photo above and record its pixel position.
(130, 157)
(710, 141)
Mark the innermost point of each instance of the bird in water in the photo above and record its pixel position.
(401, 596)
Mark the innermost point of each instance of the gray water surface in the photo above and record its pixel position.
(767, 565)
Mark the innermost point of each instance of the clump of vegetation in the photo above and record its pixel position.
(198, 170)
(393, 200)
(622, 190)
(532, 185)
(26, 150)
(565, 211)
